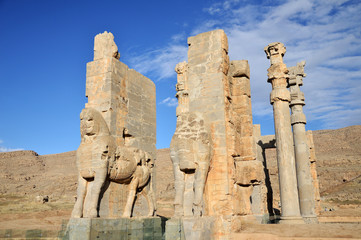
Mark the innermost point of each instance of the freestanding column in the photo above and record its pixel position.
(302, 154)
(280, 98)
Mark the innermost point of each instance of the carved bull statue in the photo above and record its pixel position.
(100, 160)
(190, 153)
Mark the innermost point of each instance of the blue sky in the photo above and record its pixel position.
(45, 45)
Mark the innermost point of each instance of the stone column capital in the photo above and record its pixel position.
(275, 52)
(296, 74)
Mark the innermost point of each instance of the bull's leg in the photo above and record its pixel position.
(97, 184)
(81, 192)
(148, 196)
(188, 196)
(179, 190)
(199, 182)
(151, 199)
(131, 196)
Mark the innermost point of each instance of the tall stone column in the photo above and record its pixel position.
(302, 153)
(280, 98)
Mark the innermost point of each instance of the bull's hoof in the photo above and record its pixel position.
(76, 213)
(197, 212)
(93, 213)
(126, 215)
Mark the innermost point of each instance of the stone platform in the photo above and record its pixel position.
(190, 228)
(111, 229)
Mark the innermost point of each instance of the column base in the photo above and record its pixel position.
(291, 220)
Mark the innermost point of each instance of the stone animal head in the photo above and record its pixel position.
(92, 123)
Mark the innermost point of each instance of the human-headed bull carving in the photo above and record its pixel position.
(100, 160)
(190, 153)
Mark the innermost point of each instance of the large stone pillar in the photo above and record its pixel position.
(302, 153)
(280, 98)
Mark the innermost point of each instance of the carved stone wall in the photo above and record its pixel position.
(126, 100)
(218, 90)
(208, 65)
(125, 97)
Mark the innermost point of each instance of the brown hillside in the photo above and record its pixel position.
(24, 175)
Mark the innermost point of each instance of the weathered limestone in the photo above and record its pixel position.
(315, 182)
(249, 174)
(280, 98)
(264, 206)
(302, 154)
(190, 153)
(121, 228)
(214, 137)
(270, 169)
(118, 130)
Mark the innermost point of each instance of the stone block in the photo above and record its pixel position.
(241, 200)
(78, 229)
(248, 172)
(241, 86)
(239, 68)
(122, 228)
(217, 37)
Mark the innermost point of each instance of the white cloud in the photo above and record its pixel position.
(6, 149)
(325, 33)
(160, 62)
(170, 102)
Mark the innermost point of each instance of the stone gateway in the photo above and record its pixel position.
(220, 166)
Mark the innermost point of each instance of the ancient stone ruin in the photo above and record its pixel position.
(217, 152)
(118, 134)
(219, 156)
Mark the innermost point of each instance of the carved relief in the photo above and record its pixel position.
(98, 159)
(190, 153)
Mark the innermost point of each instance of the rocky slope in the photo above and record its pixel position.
(25, 174)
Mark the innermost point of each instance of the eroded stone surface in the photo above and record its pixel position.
(118, 129)
(280, 98)
(302, 153)
(214, 114)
